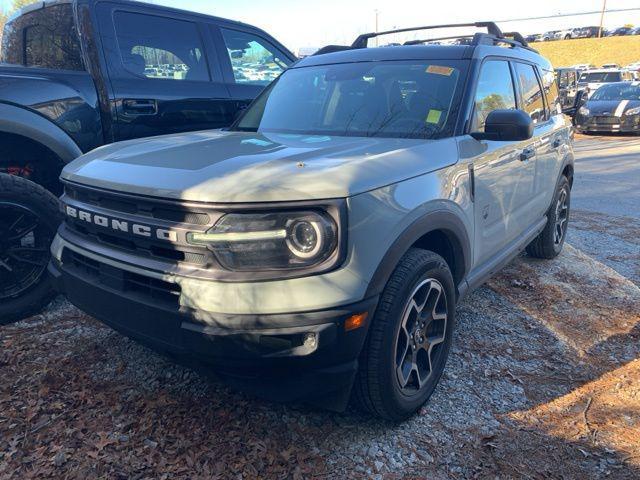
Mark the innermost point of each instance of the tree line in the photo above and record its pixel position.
(15, 5)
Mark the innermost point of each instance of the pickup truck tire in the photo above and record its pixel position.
(405, 338)
(29, 218)
(548, 244)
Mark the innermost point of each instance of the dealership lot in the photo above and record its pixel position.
(542, 380)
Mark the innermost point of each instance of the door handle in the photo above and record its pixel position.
(556, 143)
(136, 106)
(527, 154)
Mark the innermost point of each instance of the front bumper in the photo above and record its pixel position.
(608, 124)
(268, 354)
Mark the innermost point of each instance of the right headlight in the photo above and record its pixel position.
(632, 111)
(583, 111)
(261, 241)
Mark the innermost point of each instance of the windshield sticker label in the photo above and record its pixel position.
(434, 116)
(439, 70)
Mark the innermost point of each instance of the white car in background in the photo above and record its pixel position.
(569, 33)
(591, 80)
(583, 66)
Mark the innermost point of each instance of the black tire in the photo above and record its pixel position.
(378, 388)
(548, 244)
(25, 288)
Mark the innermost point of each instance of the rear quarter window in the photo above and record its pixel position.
(45, 38)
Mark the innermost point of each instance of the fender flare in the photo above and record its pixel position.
(568, 160)
(439, 220)
(21, 121)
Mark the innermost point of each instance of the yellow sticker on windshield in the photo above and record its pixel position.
(434, 116)
(439, 70)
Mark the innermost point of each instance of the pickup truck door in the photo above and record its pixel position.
(163, 71)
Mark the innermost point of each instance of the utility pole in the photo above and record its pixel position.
(377, 13)
(604, 9)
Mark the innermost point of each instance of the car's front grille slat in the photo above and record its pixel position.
(151, 289)
(160, 213)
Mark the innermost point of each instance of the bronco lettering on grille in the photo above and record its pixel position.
(122, 225)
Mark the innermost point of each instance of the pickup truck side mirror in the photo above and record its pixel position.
(506, 126)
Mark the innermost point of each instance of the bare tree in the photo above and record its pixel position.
(18, 4)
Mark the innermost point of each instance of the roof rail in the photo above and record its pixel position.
(517, 37)
(492, 29)
(494, 36)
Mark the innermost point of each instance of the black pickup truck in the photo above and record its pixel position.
(78, 74)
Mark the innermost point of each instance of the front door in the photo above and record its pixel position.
(504, 171)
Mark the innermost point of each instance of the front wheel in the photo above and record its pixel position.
(29, 218)
(409, 338)
(548, 244)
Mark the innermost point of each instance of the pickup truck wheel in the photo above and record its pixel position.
(409, 338)
(551, 240)
(29, 218)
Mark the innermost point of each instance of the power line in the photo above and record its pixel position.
(596, 12)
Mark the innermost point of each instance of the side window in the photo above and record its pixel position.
(551, 91)
(160, 48)
(494, 92)
(45, 38)
(530, 93)
(254, 60)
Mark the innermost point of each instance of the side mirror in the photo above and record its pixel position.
(506, 126)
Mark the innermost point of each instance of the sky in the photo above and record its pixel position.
(313, 23)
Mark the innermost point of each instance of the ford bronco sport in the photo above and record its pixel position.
(317, 249)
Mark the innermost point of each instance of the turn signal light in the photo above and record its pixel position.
(355, 321)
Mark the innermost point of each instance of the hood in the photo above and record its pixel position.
(611, 107)
(232, 167)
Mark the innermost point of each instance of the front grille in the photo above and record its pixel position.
(140, 247)
(147, 289)
(151, 212)
(140, 207)
(606, 120)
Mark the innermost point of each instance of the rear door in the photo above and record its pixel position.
(504, 171)
(546, 142)
(164, 78)
(250, 60)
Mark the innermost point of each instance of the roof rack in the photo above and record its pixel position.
(494, 36)
(492, 29)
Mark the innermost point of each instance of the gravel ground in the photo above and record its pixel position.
(542, 382)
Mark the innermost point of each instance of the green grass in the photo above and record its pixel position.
(564, 53)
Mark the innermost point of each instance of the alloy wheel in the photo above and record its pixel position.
(562, 217)
(24, 249)
(421, 336)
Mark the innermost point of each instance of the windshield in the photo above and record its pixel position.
(372, 99)
(600, 77)
(618, 91)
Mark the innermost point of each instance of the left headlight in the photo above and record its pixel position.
(261, 241)
(633, 111)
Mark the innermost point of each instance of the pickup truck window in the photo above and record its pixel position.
(44, 38)
(253, 60)
(160, 48)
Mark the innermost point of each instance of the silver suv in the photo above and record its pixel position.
(317, 249)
